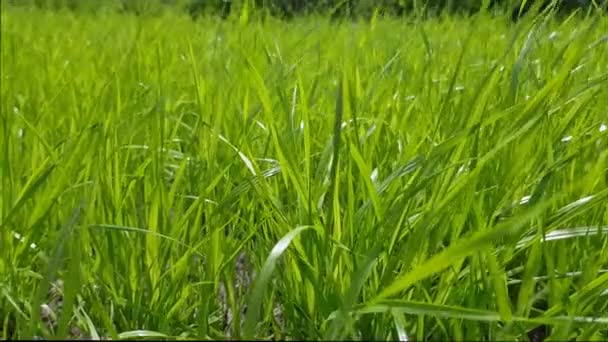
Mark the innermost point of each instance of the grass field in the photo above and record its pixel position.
(380, 179)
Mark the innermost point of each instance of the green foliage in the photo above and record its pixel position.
(312, 179)
(337, 9)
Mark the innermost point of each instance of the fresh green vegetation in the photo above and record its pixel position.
(382, 179)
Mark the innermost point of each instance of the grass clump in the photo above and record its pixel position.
(380, 179)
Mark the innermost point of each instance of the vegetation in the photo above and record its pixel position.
(337, 9)
(444, 179)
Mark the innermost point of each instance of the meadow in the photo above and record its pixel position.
(379, 179)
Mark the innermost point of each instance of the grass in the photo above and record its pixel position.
(380, 179)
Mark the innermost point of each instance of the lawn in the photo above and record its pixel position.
(312, 179)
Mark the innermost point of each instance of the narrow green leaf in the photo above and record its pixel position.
(255, 297)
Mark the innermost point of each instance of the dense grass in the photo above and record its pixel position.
(374, 180)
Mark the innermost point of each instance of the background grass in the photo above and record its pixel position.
(380, 179)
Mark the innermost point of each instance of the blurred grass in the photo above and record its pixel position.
(155, 164)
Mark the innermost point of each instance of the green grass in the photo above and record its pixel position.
(378, 179)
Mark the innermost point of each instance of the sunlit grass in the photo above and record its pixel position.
(305, 180)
